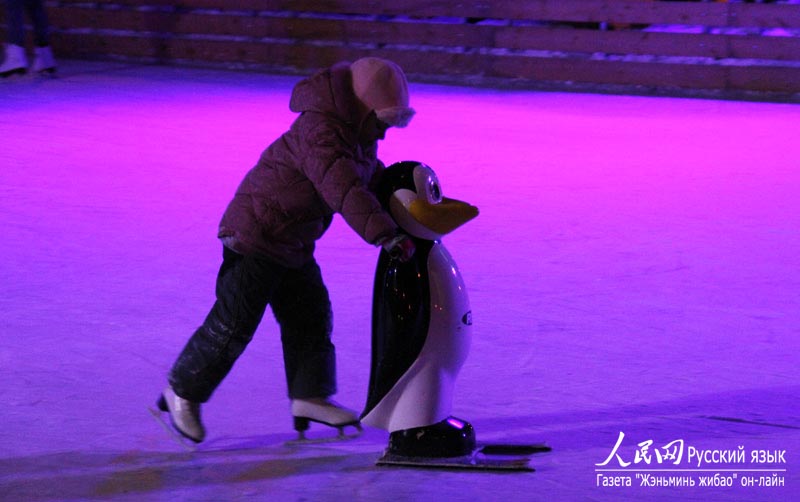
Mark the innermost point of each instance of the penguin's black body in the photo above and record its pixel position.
(400, 318)
(421, 322)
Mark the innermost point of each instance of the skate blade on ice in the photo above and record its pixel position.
(488, 457)
(177, 436)
(343, 435)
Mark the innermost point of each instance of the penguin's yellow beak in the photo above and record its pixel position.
(444, 217)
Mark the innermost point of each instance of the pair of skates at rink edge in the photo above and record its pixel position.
(421, 332)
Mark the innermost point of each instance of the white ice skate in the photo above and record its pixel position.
(323, 411)
(184, 415)
(15, 62)
(43, 61)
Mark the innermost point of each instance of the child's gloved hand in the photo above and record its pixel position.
(400, 247)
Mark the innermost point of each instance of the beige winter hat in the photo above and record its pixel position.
(381, 86)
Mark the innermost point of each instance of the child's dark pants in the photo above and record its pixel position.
(245, 286)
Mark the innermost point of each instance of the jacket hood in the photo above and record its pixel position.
(328, 91)
(382, 86)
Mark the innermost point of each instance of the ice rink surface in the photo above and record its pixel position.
(634, 274)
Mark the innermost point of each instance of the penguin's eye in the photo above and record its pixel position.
(435, 191)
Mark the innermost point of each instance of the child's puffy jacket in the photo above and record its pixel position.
(321, 166)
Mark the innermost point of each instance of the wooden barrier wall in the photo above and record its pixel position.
(722, 46)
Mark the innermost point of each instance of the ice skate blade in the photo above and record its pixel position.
(16, 72)
(341, 436)
(302, 424)
(477, 462)
(175, 434)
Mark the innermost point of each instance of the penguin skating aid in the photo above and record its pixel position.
(421, 333)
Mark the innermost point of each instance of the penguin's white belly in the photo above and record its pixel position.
(424, 394)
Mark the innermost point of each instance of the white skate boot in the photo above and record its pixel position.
(43, 60)
(323, 411)
(184, 415)
(15, 62)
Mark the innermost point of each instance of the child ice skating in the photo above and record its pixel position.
(324, 164)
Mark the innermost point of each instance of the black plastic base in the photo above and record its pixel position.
(451, 437)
